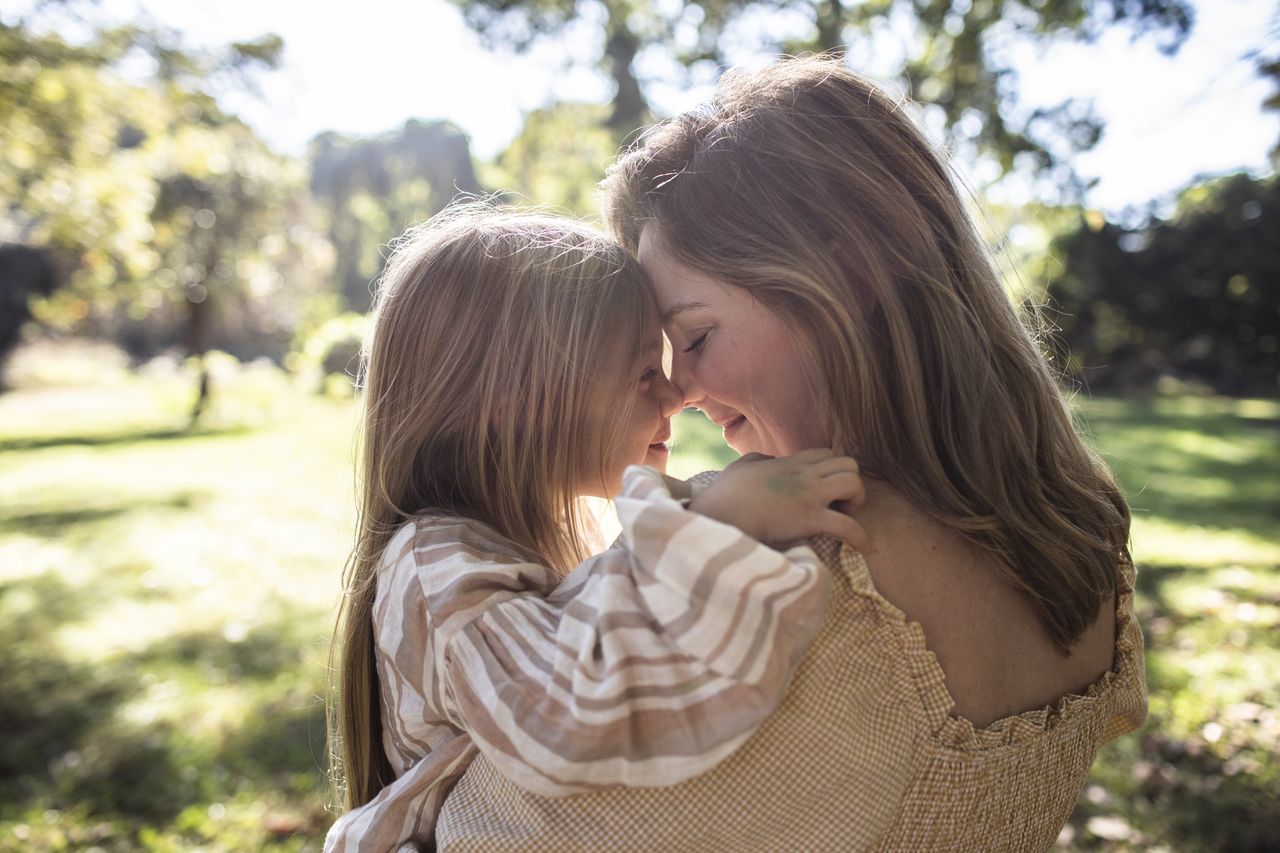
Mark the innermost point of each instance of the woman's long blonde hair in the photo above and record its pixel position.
(495, 348)
(811, 188)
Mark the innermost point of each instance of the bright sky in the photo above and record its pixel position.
(366, 68)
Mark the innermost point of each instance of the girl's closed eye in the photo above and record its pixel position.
(650, 374)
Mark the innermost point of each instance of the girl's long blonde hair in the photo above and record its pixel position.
(493, 359)
(811, 188)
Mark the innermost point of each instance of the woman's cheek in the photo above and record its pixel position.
(710, 375)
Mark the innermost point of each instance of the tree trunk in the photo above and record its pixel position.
(831, 26)
(630, 110)
(199, 328)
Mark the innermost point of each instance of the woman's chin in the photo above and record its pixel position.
(744, 445)
(744, 439)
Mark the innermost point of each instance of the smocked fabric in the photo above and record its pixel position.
(863, 754)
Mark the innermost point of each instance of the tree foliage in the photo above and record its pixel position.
(954, 63)
(1195, 297)
(558, 158)
(177, 213)
(1268, 64)
(186, 229)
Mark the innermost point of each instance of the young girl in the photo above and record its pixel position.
(515, 368)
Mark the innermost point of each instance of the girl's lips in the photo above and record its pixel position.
(657, 456)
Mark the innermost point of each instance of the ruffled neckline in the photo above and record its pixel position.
(959, 733)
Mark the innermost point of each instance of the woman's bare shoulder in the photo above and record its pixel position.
(996, 656)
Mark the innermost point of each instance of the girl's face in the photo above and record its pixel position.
(734, 359)
(653, 400)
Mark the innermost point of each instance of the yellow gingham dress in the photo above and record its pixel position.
(863, 754)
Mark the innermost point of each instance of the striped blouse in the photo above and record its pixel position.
(648, 664)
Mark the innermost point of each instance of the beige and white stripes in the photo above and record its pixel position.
(647, 665)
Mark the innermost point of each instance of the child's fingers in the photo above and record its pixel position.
(835, 465)
(814, 454)
(841, 526)
(845, 486)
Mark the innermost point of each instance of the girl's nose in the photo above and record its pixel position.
(682, 379)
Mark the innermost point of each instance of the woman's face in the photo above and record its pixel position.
(734, 359)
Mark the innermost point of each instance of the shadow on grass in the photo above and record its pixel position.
(62, 742)
(1252, 509)
(65, 744)
(280, 743)
(130, 770)
(283, 741)
(48, 703)
(1151, 580)
(263, 654)
(1208, 470)
(1213, 786)
(54, 523)
(1185, 794)
(108, 439)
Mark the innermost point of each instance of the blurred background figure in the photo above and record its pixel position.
(197, 196)
(26, 272)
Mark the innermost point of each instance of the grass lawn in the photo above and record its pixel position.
(166, 596)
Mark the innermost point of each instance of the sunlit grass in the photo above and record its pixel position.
(179, 584)
(1203, 479)
(166, 596)
(1157, 542)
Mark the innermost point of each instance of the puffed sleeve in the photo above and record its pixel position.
(646, 666)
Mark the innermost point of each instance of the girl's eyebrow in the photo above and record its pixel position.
(680, 308)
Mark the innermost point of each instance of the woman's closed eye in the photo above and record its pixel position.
(651, 374)
(698, 340)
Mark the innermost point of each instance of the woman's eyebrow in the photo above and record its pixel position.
(680, 308)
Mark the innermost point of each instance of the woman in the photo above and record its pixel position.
(821, 283)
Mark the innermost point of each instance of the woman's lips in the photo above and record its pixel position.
(732, 426)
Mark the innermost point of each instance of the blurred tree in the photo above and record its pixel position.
(956, 62)
(1194, 297)
(223, 204)
(165, 199)
(1270, 69)
(372, 188)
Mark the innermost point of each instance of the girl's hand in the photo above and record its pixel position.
(681, 490)
(781, 500)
